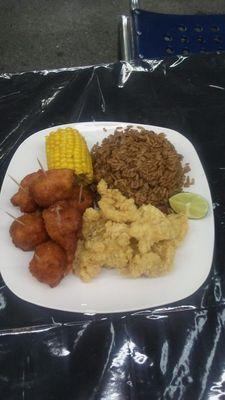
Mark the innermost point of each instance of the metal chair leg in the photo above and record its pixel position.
(125, 39)
(134, 4)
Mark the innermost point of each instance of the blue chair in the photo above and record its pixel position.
(157, 35)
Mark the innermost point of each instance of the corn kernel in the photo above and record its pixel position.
(66, 148)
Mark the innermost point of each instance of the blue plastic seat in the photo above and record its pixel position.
(158, 35)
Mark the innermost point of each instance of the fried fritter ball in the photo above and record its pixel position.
(63, 223)
(52, 186)
(81, 198)
(23, 198)
(48, 264)
(28, 231)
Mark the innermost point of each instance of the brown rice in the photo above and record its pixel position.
(141, 164)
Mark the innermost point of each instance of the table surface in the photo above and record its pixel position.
(171, 352)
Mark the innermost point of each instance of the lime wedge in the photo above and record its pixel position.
(192, 205)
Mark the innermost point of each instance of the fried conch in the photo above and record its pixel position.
(136, 241)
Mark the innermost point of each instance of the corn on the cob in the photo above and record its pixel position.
(66, 148)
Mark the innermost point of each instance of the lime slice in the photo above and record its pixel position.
(191, 204)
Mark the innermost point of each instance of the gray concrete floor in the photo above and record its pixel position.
(45, 34)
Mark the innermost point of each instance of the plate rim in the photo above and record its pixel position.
(113, 124)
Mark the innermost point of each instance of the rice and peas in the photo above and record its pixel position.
(141, 164)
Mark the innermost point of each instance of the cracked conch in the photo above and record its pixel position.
(135, 241)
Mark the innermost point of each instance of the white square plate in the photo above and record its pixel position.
(110, 292)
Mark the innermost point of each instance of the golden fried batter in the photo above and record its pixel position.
(148, 264)
(48, 264)
(179, 224)
(106, 244)
(115, 206)
(138, 242)
(52, 186)
(23, 198)
(151, 226)
(28, 231)
(81, 198)
(63, 222)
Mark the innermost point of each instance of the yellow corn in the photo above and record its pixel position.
(66, 148)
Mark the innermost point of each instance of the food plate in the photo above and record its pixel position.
(110, 292)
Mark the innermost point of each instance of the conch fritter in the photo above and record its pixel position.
(28, 231)
(52, 186)
(23, 198)
(63, 223)
(49, 263)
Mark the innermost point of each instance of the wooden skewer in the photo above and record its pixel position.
(57, 210)
(37, 257)
(15, 218)
(80, 193)
(41, 166)
(17, 183)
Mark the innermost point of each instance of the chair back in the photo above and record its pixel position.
(158, 35)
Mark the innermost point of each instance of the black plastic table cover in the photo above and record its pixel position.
(171, 352)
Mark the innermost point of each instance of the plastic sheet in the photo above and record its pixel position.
(172, 352)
